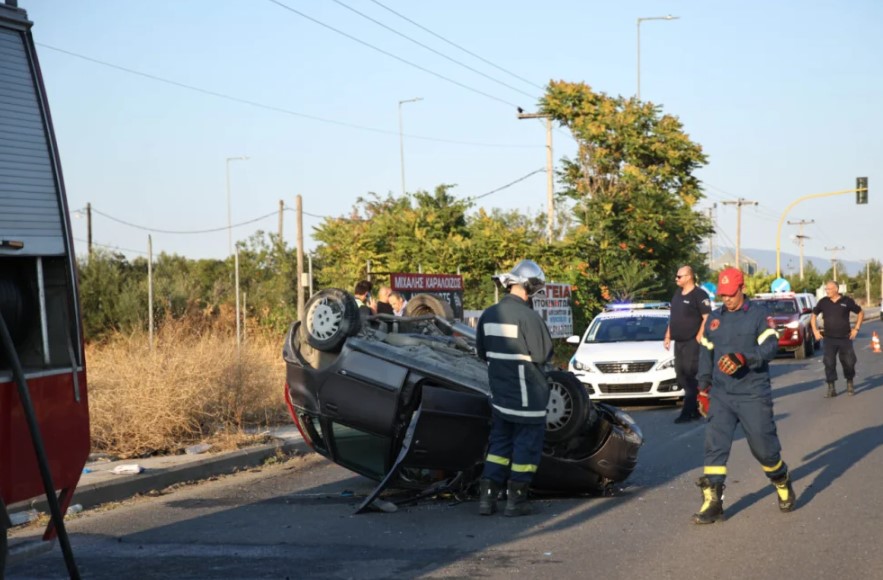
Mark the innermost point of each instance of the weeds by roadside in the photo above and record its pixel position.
(193, 386)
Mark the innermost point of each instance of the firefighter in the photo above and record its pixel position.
(739, 341)
(516, 343)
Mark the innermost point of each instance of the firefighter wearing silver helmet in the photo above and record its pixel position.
(516, 343)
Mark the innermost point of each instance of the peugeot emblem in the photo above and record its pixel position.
(624, 368)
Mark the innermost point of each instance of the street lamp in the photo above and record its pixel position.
(640, 20)
(229, 211)
(402, 137)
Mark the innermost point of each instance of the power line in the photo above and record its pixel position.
(470, 53)
(160, 231)
(508, 185)
(434, 51)
(272, 107)
(391, 55)
(111, 247)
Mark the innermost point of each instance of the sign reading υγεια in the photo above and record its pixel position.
(446, 287)
(554, 307)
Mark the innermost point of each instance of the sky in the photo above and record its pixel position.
(783, 97)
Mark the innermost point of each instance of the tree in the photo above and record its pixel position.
(632, 184)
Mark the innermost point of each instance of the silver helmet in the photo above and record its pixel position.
(526, 273)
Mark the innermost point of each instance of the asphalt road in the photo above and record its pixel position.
(295, 519)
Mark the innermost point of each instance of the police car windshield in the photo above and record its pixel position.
(627, 328)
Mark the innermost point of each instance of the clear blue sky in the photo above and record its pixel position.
(783, 96)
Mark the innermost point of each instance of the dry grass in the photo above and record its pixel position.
(192, 387)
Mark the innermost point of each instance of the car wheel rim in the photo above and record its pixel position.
(560, 407)
(324, 319)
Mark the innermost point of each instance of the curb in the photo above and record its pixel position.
(93, 494)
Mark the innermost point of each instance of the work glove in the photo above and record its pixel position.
(731, 363)
(704, 400)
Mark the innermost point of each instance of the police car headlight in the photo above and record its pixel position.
(666, 364)
(792, 325)
(578, 366)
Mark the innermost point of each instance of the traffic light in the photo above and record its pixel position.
(861, 193)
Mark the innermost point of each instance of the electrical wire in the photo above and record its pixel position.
(391, 55)
(161, 231)
(457, 46)
(508, 185)
(272, 107)
(111, 247)
(432, 50)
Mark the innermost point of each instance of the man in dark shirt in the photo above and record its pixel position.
(835, 309)
(690, 307)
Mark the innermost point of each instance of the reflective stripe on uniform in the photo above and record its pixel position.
(523, 385)
(706, 343)
(766, 334)
(715, 470)
(524, 468)
(515, 413)
(507, 356)
(499, 329)
(773, 468)
(497, 459)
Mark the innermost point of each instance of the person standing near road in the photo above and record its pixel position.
(383, 305)
(516, 343)
(838, 335)
(690, 308)
(398, 303)
(362, 293)
(738, 343)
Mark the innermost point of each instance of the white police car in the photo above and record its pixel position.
(621, 355)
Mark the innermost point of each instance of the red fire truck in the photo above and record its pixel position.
(44, 417)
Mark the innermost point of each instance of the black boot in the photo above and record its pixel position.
(832, 392)
(712, 508)
(487, 499)
(787, 497)
(850, 387)
(516, 500)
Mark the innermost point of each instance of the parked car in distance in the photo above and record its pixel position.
(406, 401)
(792, 312)
(621, 354)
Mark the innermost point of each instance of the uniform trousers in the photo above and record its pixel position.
(686, 368)
(755, 414)
(842, 347)
(514, 450)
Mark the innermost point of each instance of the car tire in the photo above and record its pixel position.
(568, 407)
(330, 317)
(423, 304)
(801, 351)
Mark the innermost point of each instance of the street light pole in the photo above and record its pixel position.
(402, 137)
(640, 20)
(229, 211)
(550, 176)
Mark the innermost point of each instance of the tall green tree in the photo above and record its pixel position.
(632, 184)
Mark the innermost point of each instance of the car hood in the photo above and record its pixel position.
(785, 318)
(622, 351)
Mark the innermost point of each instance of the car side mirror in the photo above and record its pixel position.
(807, 311)
(573, 339)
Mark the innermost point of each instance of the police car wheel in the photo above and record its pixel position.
(568, 407)
(331, 316)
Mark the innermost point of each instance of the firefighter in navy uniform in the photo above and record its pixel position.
(738, 343)
(516, 343)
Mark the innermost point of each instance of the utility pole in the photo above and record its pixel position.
(550, 175)
(834, 251)
(800, 237)
(739, 203)
(299, 211)
(89, 228)
(868, 284)
(281, 209)
(711, 237)
(150, 292)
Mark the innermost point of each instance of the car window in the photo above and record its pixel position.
(784, 307)
(361, 451)
(627, 329)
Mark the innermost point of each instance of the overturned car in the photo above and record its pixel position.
(405, 401)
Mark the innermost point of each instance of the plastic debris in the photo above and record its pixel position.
(74, 509)
(384, 506)
(87, 470)
(127, 469)
(197, 449)
(346, 493)
(19, 518)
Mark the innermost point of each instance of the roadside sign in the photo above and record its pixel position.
(780, 285)
(554, 307)
(447, 287)
(710, 289)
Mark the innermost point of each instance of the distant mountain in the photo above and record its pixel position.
(766, 260)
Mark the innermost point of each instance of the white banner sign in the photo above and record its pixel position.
(554, 308)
